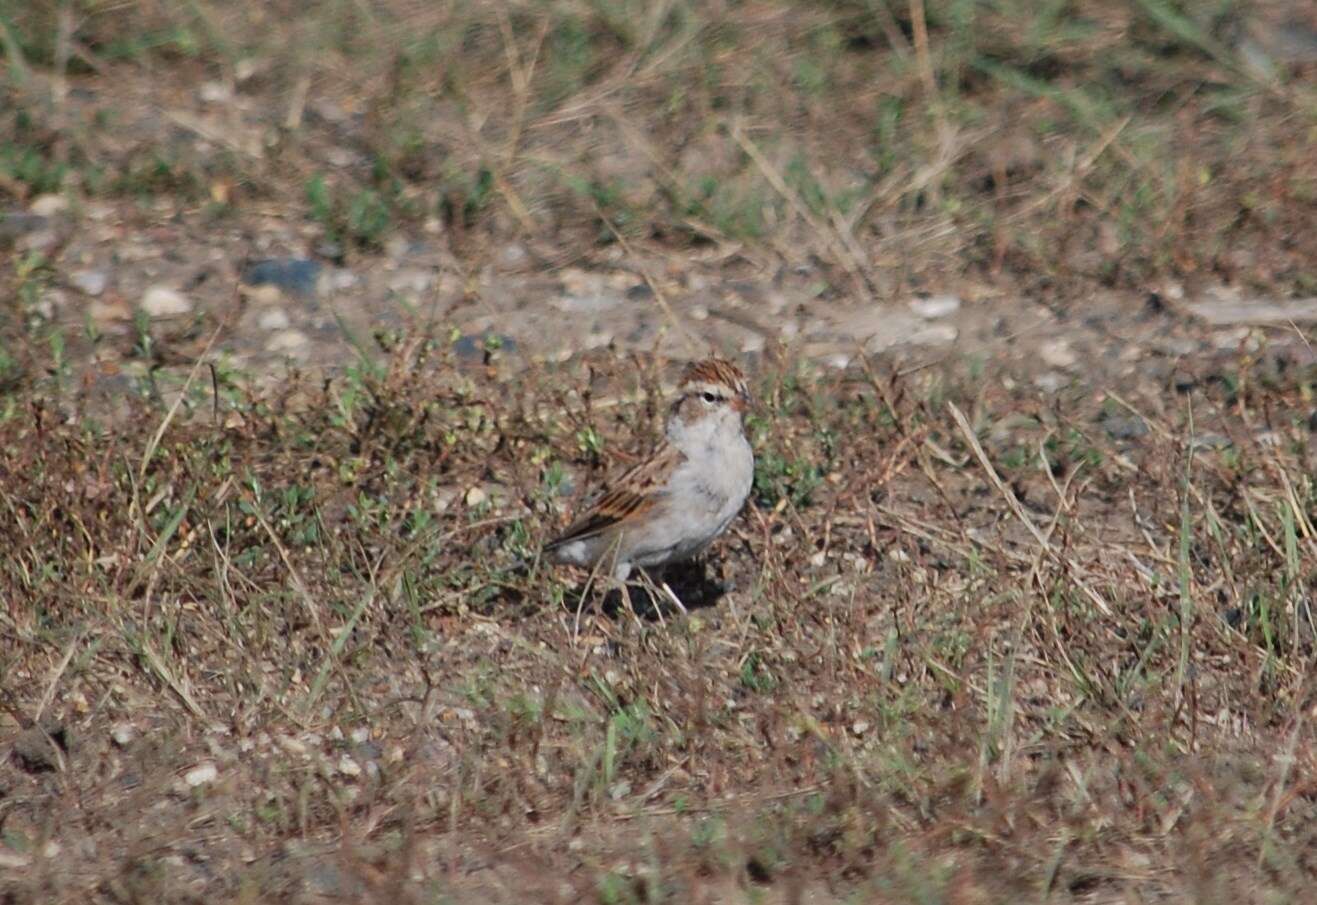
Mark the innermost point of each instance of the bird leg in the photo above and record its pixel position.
(676, 601)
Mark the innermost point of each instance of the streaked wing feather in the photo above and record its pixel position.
(635, 492)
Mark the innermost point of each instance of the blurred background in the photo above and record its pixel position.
(551, 177)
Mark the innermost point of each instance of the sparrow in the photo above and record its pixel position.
(671, 506)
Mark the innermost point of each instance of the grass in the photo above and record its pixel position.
(980, 642)
(914, 699)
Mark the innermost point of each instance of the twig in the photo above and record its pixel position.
(659, 297)
(54, 680)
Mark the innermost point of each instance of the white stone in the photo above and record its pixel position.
(415, 280)
(934, 335)
(1051, 381)
(286, 341)
(161, 301)
(48, 205)
(1058, 354)
(200, 775)
(937, 306)
(273, 319)
(91, 282)
(215, 93)
(292, 745)
(11, 860)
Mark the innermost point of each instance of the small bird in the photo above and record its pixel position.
(672, 505)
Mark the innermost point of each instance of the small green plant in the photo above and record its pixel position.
(33, 168)
(362, 218)
(755, 674)
(777, 478)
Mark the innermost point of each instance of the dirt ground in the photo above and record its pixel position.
(315, 320)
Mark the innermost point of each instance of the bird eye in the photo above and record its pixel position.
(709, 397)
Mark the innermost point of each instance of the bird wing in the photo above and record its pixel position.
(635, 492)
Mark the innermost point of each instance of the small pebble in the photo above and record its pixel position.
(90, 282)
(273, 319)
(200, 775)
(1051, 381)
(1057, 353)
(473, 346)
(1211, 441)
(296, 276)
(48, 205)
(412, 279)
(292, 745)
(16, 224)
(933, 335)
(161, 301)
(11, 860)
(1124, 427)
(215, 93)
(40, 749)
(286, 341)
(936, 306)
(512, 256)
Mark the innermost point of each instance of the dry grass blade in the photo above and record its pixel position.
(831, 237)
(154, 443)
(172, 682)
(63, 664)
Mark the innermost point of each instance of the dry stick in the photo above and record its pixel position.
(830, 235)
(14, 59)
(158, 666)
(1184, 570)
(1202, 501)
(924, 59)
(728, 247)
(54, 679)
(1018, 511)
(589, 583)
(627, 73)
(298, 584)
(1287, 761)
(337, 645)
(522, 76)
